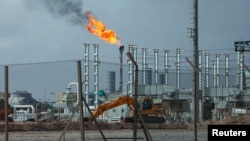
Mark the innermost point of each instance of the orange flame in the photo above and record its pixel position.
(98, 28)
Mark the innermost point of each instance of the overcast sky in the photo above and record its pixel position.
(30, 32)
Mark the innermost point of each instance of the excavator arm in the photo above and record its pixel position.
(112, 104)
(150, 112)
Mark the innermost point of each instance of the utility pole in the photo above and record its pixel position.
(131, 58)
(6, 102)
(194, 37)
(79, 72)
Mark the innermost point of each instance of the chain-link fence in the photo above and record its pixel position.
(43, 83)
(47, 92)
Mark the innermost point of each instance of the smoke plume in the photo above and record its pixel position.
(71, 10)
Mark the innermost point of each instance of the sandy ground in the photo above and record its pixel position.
(117, 134)
(110, 135)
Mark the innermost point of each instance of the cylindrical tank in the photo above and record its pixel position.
(111, 82)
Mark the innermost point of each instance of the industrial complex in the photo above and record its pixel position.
(219, 96)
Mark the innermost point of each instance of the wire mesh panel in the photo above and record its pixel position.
(49, 87)
(42, 79)
(32, 88)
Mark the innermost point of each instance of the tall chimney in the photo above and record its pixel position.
(121, 49)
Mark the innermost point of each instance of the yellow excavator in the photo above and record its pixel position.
(2, 111)
(150, 112)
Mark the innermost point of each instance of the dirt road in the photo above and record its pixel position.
(110, 135)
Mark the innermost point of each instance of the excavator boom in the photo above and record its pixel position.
(150, 112)
(112, 104)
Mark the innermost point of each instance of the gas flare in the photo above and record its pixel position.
(98, 28)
